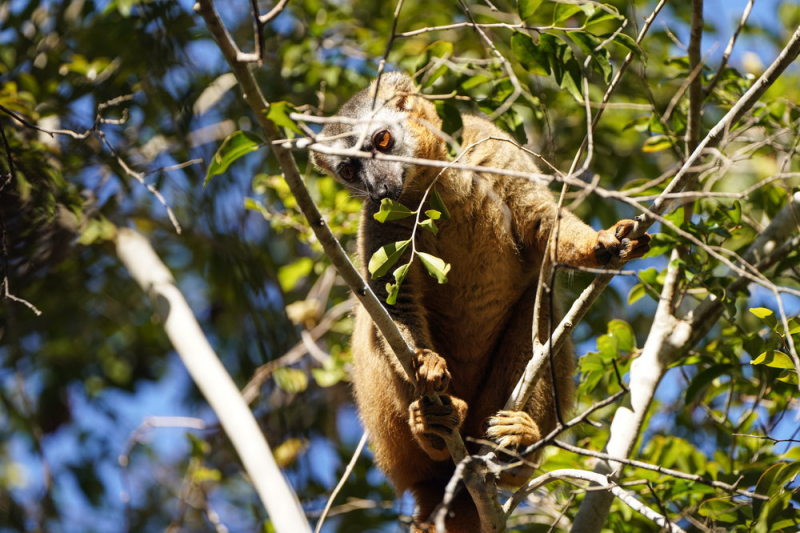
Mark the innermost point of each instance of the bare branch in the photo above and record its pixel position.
(342, 480)
(626, 497)
(213, 381)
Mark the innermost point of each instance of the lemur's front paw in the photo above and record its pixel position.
(430, 371)
(513, 429)
(431, 423)
(614, 243)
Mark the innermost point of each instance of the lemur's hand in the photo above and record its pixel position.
(614, 243)
(430, 371)
(431, 423)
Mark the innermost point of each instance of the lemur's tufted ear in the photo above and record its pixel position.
(396, 88)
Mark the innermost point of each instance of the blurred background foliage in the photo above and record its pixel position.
(142, 88)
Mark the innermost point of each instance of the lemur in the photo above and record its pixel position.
(472, 335)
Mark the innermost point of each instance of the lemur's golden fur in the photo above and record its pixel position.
(472, 335)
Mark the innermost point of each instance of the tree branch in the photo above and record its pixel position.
(328, 241)
(213, 381)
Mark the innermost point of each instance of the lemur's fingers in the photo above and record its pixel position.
(430, 371)
(513, 429)
(431, 423)
(614, 243)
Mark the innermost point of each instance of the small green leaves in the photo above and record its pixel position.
(435, 266)
(386, 257)
(237, 144)
(391, 210)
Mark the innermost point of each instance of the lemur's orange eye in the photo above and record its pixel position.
(347, 172)
(383, 141)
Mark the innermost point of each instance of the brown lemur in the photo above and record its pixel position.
(472, 335)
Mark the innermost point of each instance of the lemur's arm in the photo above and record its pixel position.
(430, 423)
(577, 244)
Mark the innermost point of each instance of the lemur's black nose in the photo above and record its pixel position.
(381, 190)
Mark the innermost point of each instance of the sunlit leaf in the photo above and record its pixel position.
(392, 210)
(435, 266)
(279, 114)
(290, 274)
(237, 144)
(526, 8)
(386, 257)
(773, 359)
(291, 380)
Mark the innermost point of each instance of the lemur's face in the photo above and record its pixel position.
(380, 131)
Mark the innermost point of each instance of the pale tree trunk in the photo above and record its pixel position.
(213, 380)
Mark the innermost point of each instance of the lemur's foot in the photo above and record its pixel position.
(513, 429)
(432, 423)
(430, 371)
(614, 243)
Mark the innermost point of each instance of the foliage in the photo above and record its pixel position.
(76, 381)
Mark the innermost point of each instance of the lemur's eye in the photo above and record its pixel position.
(383, 141)
(347, 172)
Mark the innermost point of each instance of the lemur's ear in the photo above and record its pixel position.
(400, 87)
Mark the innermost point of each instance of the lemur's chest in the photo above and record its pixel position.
(487, 277)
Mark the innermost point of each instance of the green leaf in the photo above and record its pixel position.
(628, 42)
(761, 312)
(765, 484)
(435, 266)
(766, 316)
(734, 212)
(386, 257)
(623, 333)
(703, 379)
(394, 289)
(237, 144)
(720, 509)
(430, 79)
(774, 359)
(289, 275)
(527, 8)
(529, 55)
(601, 15)
(433, 214)
(430, 225)
(391, 210)
(450, 115)
(637, 291)
(438, 204)
(790, 377)
(331, 373)
(435, 49)
(564, 11)
(279, 114)
(589, 44)
(656, 143)
(291, 379)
